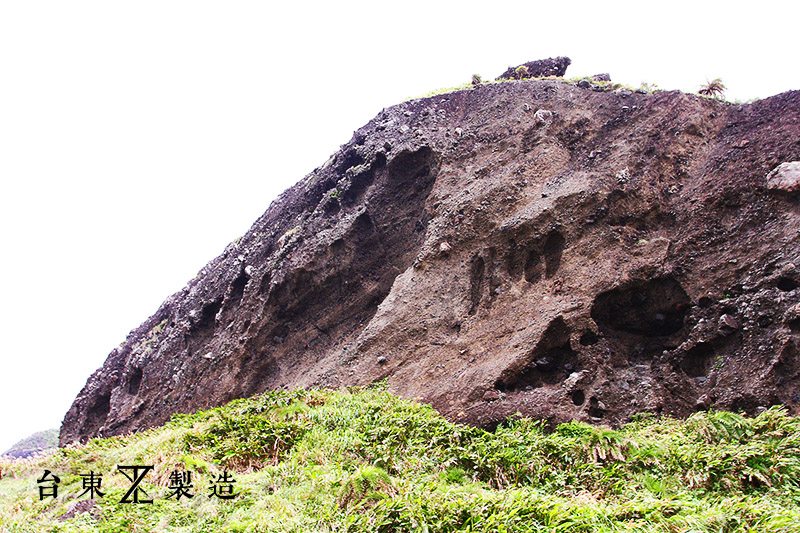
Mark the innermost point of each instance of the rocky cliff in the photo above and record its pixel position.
(527, 246)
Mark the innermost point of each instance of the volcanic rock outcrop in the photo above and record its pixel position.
(541, 68)
(527, 246)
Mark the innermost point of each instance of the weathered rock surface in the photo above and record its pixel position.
(527, 246)
(553, 66)
(786, 177)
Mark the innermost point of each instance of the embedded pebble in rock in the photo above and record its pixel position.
(543, 116)
(785, 177)
(727, 321)
(491, 395)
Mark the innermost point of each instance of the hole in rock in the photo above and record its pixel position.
(533, 267)
(477, 278)
(578, 397)
(745, 403)
(208, 314)
(362, 181)
(652, 308)
(205, 326)
(237, 287)
(263, 287)
(553, 250)
(589, 338)
(787, 368)
(134, 381)
(697, 361)
(412, 168)
(350, 159)
(358, 186)
(331, 206)
(96, 416)
(551, 362)
(594, 409)
(514, 260)
(787, 284)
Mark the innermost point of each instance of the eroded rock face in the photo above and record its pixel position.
(523, 247)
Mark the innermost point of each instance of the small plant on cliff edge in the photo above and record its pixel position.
(648, 87)
(521, 72)
(713, 88)
(476, 79)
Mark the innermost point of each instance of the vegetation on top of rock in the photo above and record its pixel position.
(581, 81)
(38, 442)
(521, 72)
(365, 460)
(713, 88)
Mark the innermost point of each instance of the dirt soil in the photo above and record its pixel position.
(529, 246)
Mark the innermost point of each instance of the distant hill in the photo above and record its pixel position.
(38, 442)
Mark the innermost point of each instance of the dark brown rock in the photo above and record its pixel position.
(553, 66)
(491, 395)
(591, 258)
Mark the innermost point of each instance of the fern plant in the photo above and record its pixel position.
(367, 484)
(713, 88)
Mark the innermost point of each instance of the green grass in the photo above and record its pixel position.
(364, 460)
(445, 90)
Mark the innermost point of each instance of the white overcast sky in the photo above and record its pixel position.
(138, 138)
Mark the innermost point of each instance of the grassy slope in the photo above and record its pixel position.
(365, 460)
